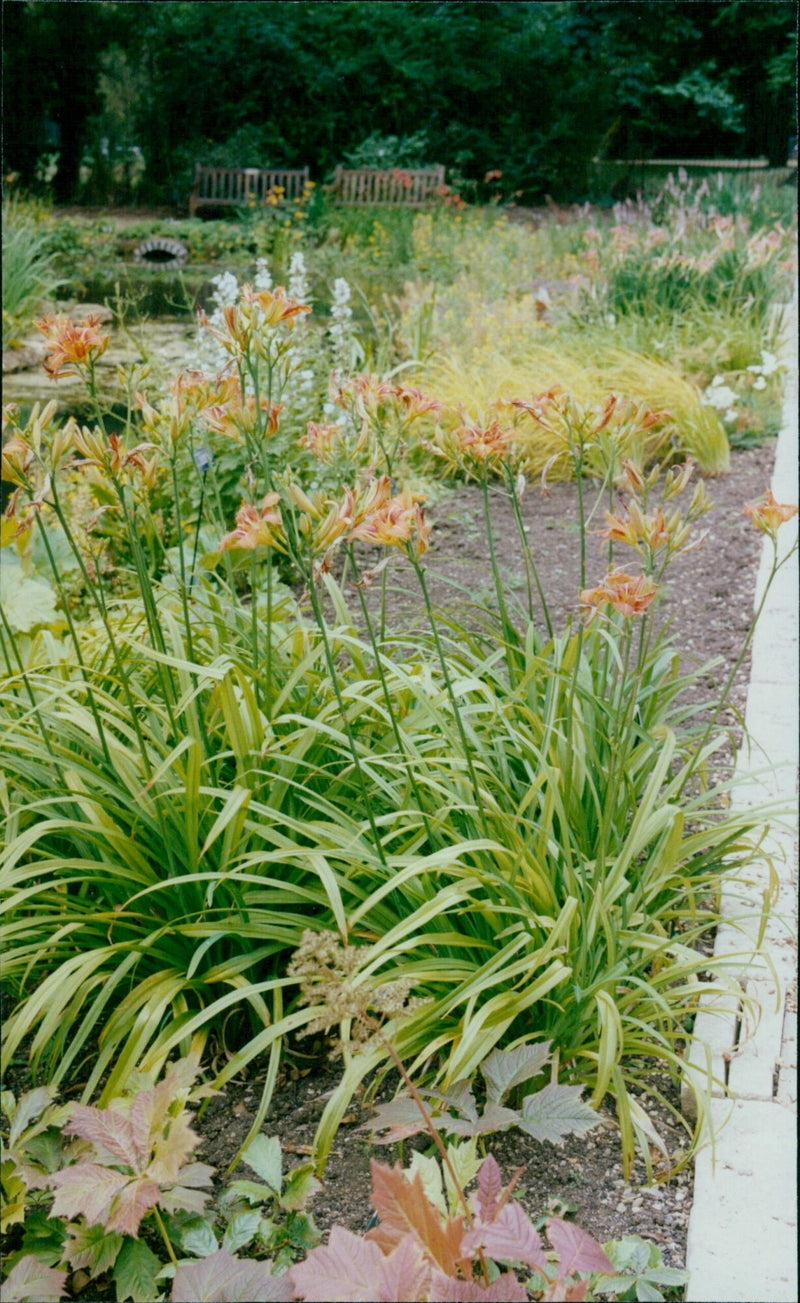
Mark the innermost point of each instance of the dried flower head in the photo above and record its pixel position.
(332, 974)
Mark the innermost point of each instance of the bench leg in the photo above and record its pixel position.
(192, 205)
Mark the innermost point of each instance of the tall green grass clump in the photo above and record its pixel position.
(29, 278)
(513, 821)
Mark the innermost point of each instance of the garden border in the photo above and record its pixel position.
(743, 1227)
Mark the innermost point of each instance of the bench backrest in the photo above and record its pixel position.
(410, 187)
(242, 185)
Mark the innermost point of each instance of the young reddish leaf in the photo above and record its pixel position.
(490, 1187)
(402, 1206)
(107, 1130)
(131, 1204)
(171, 1150)
(506, 1289)
(221, 1278)
(31, 1282)
(576, 1249)
(565, 1291)
(345, 1270)
(510, 1237)
(405, 1274)
(85, 1188)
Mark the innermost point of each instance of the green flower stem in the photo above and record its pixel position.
(24, 676)
(163, 1232)
(509, 632)
(321, 624)
(254, 622)
(623, 709)
(420, 573)
(181, 558)
(148, 601)
(387, 695)
(527, 552)
(96, 592)
(73, 633)
(269, 692)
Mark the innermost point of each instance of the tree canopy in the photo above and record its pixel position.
(534, 89)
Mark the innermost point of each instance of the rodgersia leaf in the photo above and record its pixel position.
(403, 1207)
(506, 1289)
(110, 1132)
(502, 1070)
(135, 1273)
(347, 1268)
(131, 1204)
(490, 1187)
(404, 1273)
(26, 1110)
(92, 1248)
(555, 1112)
(221, 1278)
(351, 1270)
(509, 1237)
(86, 1189)
(263, 1156)
(576, 1249)
(31, 1282)
(402, 1118)
(494, 1118)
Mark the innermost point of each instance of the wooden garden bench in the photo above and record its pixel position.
(411, 187)
(237, 187)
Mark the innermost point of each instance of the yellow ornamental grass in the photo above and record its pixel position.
(477, 384)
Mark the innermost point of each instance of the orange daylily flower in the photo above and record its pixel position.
(256, 527)
(629, 594)
(769, 515)
(71, 347)
(16, 460)
(637, 528)
(275, 305)
(484, 444)
(319, 438)
(232, 416)
(415, 403)
(541, 407)
(397, 522)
